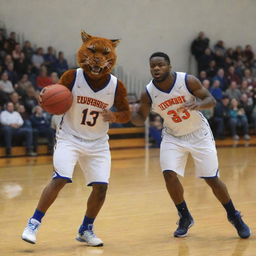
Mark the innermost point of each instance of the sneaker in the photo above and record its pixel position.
(236, 137)
(184, 224)
(242, 229)
(31, 153)
(29, 233)
(88, 237)
(247, 137)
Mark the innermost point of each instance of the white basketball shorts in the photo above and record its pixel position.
(174, 152)
(93, 156)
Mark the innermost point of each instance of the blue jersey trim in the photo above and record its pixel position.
(171, 87)
(148, 95)
(209, 177)
(73, 82)
(186, 82)
(96, 182)
(93, 89)
(57, 176)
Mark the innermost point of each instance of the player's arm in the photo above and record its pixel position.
(196, 88)
(122, 114)
(139, 117)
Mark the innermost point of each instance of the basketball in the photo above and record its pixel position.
(56, 99)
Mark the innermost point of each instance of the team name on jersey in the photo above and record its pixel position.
(164, 105)
(91, 101)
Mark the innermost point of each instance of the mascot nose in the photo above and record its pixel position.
(97, 59)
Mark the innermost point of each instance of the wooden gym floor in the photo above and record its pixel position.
(138, 217)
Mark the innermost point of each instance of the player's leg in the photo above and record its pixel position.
(206, 163)
(63, 174)
(96, 168)
(173, 158)
(220, 191)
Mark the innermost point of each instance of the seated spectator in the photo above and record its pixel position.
(5, 84)
(215, 90)
(205, 59)
(232, 76)
(222, 79)
(247, 104)
(28, 50)
(249, 77)
(22, 86)
(61, 64)
(54, 77)
(50, 59)
(12, 74)
(16, 52)
(21, 65)
(221, 117)
(238, 119)
(37, 59)
(43, 79)
(202, 75)
(15, 98)
(212, 69)
(155, 129)
(248, 55)
(220, 46)
(233, 91)
(7, 60)
(41, 125)
(219, 58)
(12, 122)
(31, 99)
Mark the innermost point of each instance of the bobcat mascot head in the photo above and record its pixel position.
(96, 55)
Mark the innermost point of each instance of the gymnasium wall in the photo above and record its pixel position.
(144, 26)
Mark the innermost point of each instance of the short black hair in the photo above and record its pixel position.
(161, 54)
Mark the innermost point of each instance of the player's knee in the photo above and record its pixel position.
(58, 183)
(170, 176)
(212, 182)
(100, 190)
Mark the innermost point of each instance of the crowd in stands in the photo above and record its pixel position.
(228, 73)
(230, 76)
(24, 71)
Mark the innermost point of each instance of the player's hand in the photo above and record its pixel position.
(108, 116)
(194, 105)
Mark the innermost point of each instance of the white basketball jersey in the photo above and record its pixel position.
(169, 105)
(83, 119)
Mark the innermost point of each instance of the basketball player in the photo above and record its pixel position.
(82, 136)
(177, 98)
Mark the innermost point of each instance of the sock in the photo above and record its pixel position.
(87, 224)
(38, 215)
(230, 209)
(183, 209)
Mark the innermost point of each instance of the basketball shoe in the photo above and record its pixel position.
(88, 237)
(242, 229)
(184, 223)
(29, 233)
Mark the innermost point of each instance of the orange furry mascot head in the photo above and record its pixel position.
(96, 55)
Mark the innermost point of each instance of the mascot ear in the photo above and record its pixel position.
(85, 37)
(115, 42)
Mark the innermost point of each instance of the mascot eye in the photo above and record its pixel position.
(106, 52)
(92, 50)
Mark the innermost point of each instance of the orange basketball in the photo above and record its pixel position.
(56, 99)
